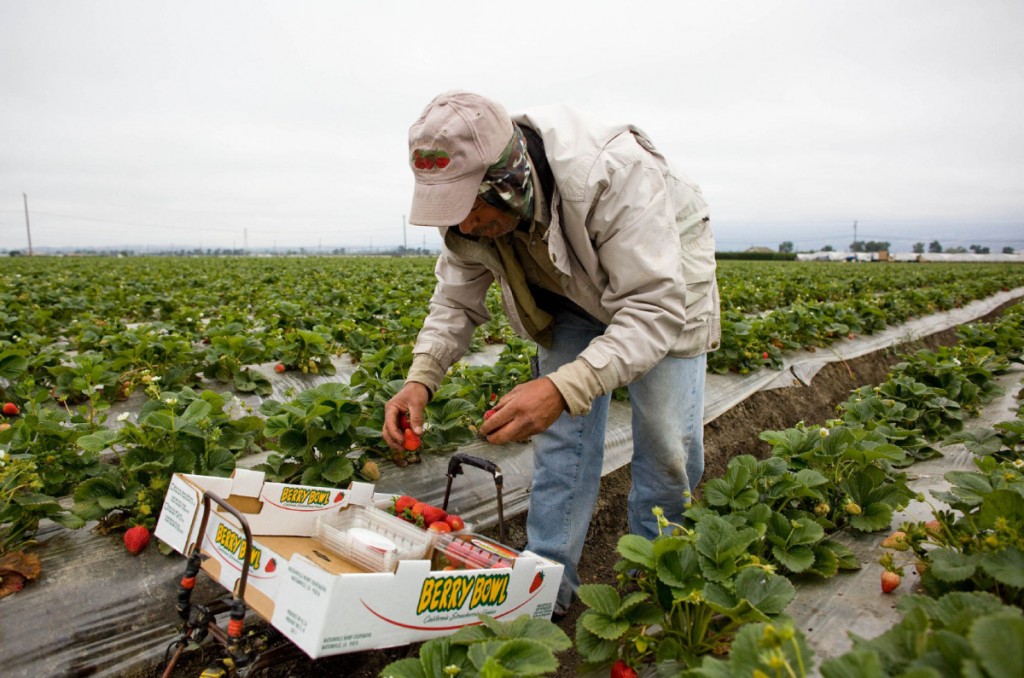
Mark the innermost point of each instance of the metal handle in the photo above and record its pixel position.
(455, 468)
(239, 594)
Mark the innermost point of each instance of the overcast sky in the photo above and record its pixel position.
(261, 124)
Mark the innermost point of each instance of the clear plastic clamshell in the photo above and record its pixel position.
(371, 538)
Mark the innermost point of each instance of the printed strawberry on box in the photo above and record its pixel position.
(336, 574)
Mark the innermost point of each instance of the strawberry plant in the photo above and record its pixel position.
(979, 546)
(86, 378)
(521, 647)
(959, 634)
(760, 649)
(227, 355)
(862, 487)
(306, 351)
(183, 431)
(783, 507)
(23, 505)
(680, 596)
(316, 435)
(49, 437)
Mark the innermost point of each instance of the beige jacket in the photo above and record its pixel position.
(631, 239)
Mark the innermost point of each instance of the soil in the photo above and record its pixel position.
(735, 432)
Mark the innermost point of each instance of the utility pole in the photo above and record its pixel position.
(28, 229)
(855, 234)
(405, 242)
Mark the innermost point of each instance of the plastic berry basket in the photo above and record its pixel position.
(468, 551)
(371, 538)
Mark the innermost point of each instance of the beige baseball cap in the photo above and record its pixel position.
(456, 138)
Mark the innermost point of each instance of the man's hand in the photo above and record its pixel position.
(525, 410)
(410, 401)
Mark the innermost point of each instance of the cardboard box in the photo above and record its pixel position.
(323, 602)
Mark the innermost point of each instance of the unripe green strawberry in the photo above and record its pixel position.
(371, 471)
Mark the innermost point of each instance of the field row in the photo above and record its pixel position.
(81, 334)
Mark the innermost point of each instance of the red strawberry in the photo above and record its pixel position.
(455, 522)
(432, 514)
(412, 441)
(136, 539)
(488, 414)
(439, 526)
(272, 565)
(403, 420)
(279, 368)
(442, 161)
(764, 356)
(890, 580)
(621, 669)
(11, 410)
(538, 579)
(404, 503)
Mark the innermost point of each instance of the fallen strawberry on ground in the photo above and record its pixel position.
(136, 539)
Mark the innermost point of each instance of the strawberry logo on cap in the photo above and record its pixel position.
(430, 159)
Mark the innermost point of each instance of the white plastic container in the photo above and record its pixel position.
(371, 538)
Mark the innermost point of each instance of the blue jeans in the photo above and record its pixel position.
(668, 453)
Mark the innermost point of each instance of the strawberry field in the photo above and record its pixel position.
(117, 373)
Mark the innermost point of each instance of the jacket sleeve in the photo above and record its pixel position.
(457, 306)
(630, 220)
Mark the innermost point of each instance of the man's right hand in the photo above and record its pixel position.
(411, 400)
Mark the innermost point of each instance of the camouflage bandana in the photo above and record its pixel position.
(507, 185)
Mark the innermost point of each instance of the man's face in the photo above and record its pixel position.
(487, 221)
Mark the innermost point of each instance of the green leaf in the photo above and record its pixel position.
(951, 566)
(853, 664)
(769, 593)
(826, 562)
(1005, 566)
(636, 549)
(220, 463)
(591, 647)
(195, 411)
(874, 517)
(794, 558)
(68, 520)
(602, 598)
(519, 657)
(338, 470)
(404, 668)
(999, 643)
(12, 365)
(276, 425)
(98, 441)
(605, 627)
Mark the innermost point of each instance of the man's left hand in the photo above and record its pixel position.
(524, 411)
